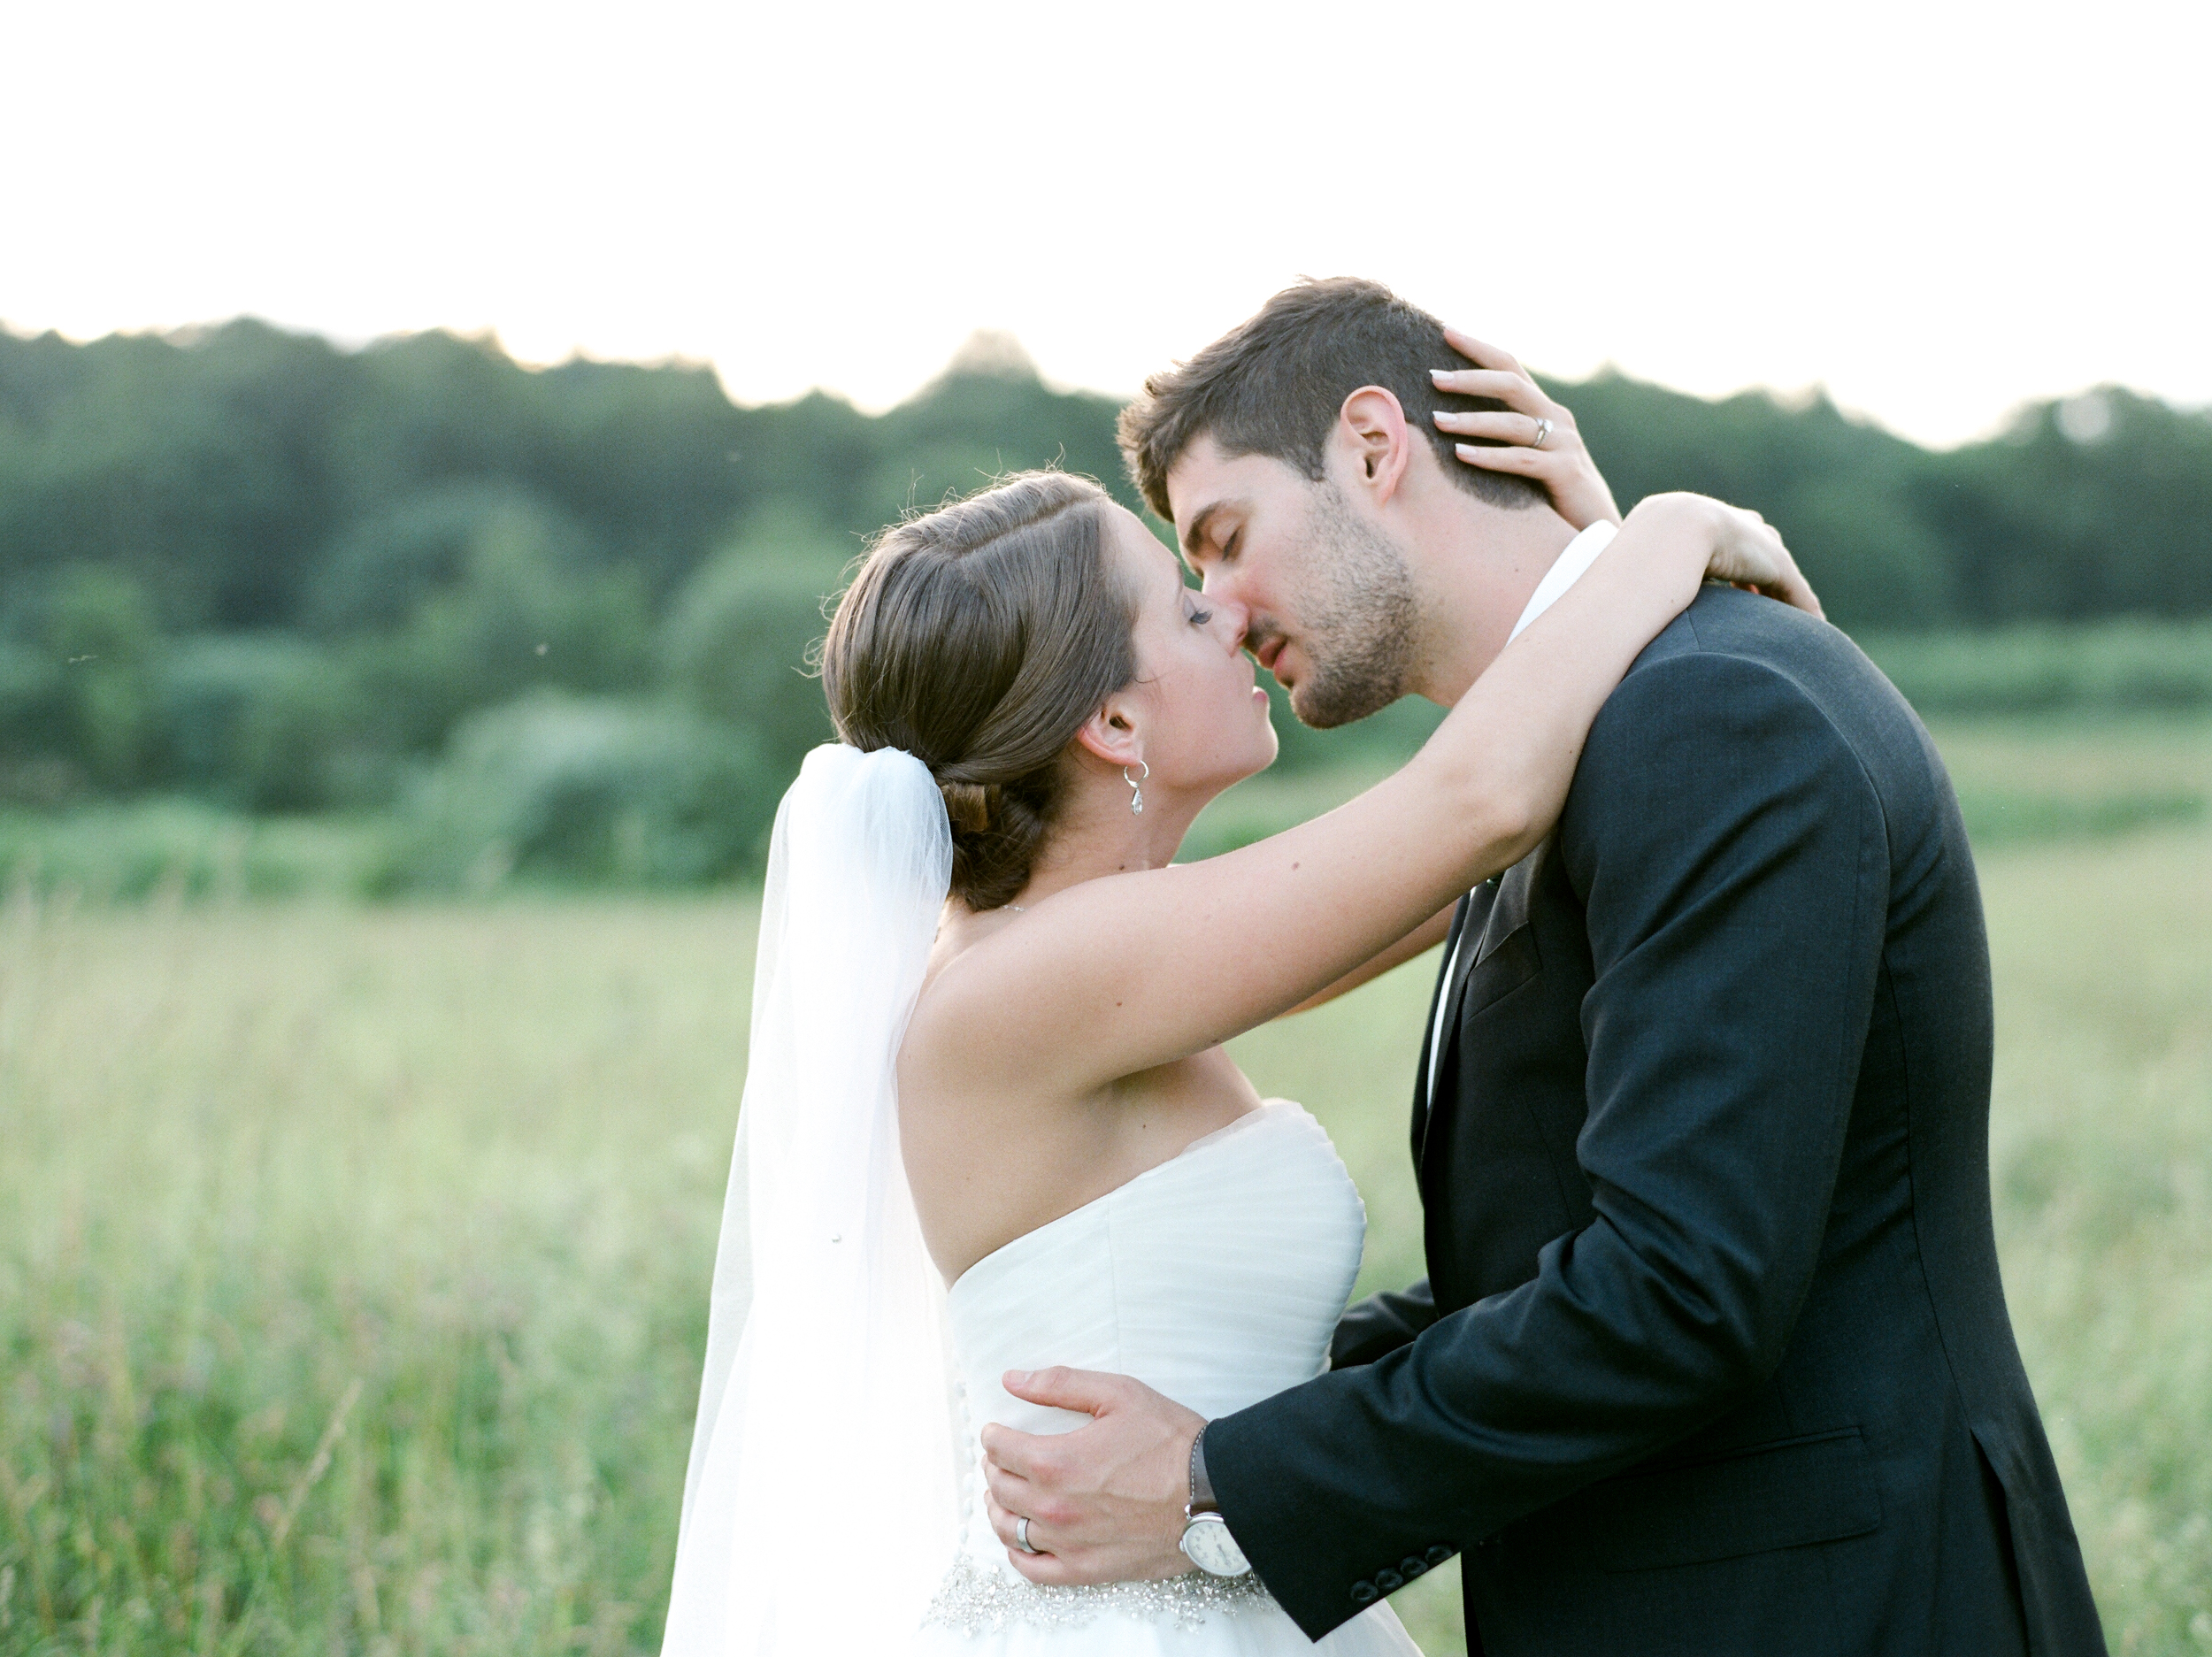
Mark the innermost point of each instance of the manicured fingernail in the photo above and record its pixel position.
(1438, 374)
(1018, 1377)
(1466, 451)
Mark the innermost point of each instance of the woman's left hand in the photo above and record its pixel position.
(1536, 437)
(1743, 549)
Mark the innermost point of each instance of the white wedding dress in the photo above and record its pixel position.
(833, 1503)
(1215, 1278)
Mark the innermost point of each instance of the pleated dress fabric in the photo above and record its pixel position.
(1216, 1278)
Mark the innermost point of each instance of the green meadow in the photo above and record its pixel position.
(353, 1257)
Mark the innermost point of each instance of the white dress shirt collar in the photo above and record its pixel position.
(1574, 560)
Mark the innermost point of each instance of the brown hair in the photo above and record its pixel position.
(1274, 384)
(978, 638)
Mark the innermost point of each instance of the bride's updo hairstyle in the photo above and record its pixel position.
(978, 638)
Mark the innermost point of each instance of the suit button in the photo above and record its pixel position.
(1409, 1567)
(1438, 1555)
(1389, 1581)
(1363, 1594)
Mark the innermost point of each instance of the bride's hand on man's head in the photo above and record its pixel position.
(1533, 436)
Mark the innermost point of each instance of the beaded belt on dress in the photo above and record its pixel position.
(979, 1599)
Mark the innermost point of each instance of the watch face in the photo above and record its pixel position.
(1209, 1544)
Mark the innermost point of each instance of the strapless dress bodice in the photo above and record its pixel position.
(1216, 1278)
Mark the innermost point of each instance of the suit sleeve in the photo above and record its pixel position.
(1732, 860)
(1380, 1323)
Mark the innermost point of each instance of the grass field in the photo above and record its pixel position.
(353, 1260)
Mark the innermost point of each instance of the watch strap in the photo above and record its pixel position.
(1201, 1488)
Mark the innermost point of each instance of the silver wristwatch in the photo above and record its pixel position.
(1207, 1543)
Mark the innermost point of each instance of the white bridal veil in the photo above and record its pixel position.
(823, 1491)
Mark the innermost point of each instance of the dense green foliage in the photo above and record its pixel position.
(2096, 507)
(250, 566)
(2107, 666)
(247, 565)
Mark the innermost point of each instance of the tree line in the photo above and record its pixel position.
(566, 608)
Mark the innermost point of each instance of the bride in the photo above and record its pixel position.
(989, 1122)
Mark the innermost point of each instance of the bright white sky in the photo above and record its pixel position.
(1935, 210)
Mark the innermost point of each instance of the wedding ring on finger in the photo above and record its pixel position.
(1543, 431)
(1021, 1537)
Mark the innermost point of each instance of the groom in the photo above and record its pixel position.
(1712, 1356)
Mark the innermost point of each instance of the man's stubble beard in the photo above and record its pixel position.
(1362, 618)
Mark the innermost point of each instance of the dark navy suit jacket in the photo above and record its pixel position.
(1712, 1356)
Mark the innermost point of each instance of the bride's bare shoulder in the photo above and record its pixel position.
(944, 1008)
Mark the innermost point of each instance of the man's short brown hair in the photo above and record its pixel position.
(1274, 384)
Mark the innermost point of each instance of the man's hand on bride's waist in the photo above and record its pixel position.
(1104, 1503)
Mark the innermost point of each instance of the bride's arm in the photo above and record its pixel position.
(1419, 941)
(1120, 974)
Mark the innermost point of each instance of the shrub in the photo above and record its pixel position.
(265, 721)
(523, 613)
(102, 640)
(2119, 666)
(168, 845)
(80, 661)
(34, 727)
(575, 788)
(736, 642)
(376, 574)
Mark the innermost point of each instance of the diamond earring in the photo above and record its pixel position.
(1136, 795)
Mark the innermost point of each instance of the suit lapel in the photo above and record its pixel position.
(1448, 979)
(1474, 944)
(1485, 918)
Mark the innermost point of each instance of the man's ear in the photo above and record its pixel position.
(1371, 431)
